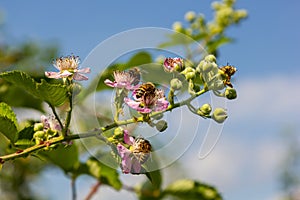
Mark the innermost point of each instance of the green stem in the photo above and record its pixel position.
(95, 132)
(69, 114)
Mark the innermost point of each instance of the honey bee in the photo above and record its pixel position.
(135, 73)
(145, 89)
(141, 149)
(228, 71)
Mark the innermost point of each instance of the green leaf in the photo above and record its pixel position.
(64, 157)
(139, 59)
(55, 94)
(153, 173)
(192, 190)
(148, 192)
(18, 97)
(25, 137)
(215, 44)
(177, 39)
(103, 173)
(8, 122)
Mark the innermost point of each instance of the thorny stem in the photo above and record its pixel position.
(96, 132)
(93, 190)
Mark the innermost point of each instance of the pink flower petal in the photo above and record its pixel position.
(110, 83)
(52, 75)
(80, 77)
(127, 139)
(126, 160)
(84, 70)
(136, 166)
(161, 104)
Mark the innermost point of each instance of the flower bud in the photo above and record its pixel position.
(176, 84)
(39, 134)
(189, 73)
(207, 67)
(177, 26)
(210, 58)
(158, 116)
(219, 115)
(204, 110)
(161, 125)
(190, 16)
(38, 127)
(118, 133)
(76, 88)
(230, 93)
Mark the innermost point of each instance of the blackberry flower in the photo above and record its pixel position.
(125, 79)
(68, 68)
(137, 154)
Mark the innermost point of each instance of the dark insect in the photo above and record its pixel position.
(141, 149)
(228, 71)
(145, 89)
(135, 73)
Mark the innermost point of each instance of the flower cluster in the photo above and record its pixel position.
(68, 68)
(146, 98)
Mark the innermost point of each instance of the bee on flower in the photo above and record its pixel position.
(137, 154)
(147, 98)
(68, 68)
(125, 79)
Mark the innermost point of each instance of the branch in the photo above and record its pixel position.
(96, 132)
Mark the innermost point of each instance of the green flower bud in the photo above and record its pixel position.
(176, 84)
(216, 85)
(189, 73)
(39, 134)
(76, 88)
(161, 125)
(207, 67)
(204, 110)
(38, 127)
(230, 93)
(219, 115)
(118, 133)
(210, 58)
(50, 133)
(177, 26)
(190, 16)
(158, 116)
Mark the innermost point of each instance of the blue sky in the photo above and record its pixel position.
(266, 53)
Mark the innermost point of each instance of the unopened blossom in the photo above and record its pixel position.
(68, 68)
(125, 79)
(171, 64)
(147, 99)
(50, 123)
(135, 156)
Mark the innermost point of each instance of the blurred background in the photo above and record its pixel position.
(258, 155)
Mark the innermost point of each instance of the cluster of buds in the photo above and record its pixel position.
(207, 75)
(46, 129)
